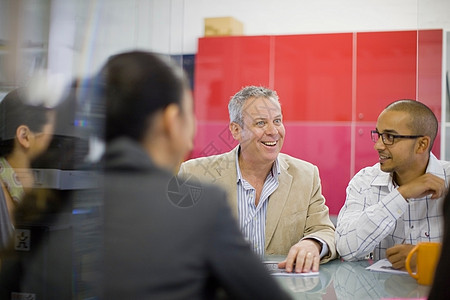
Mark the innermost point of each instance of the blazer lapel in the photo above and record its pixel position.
(277, 201)
(227, 178)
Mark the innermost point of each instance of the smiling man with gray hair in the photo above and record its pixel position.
(276, 198)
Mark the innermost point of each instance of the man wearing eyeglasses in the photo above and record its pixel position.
(396, 203)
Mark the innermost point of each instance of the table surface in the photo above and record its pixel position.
(350, 280)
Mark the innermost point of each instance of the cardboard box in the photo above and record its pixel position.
(223, 26)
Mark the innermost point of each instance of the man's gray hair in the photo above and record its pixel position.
(238, 100)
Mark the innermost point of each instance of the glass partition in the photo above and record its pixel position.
(322, 56)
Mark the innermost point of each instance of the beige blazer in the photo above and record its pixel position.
(296, 209)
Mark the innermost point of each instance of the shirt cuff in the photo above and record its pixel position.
(324, 245)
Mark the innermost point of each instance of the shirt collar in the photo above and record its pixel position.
(383, 179)
(275, 167)
(433, 167)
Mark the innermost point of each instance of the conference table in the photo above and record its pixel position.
(350, 280)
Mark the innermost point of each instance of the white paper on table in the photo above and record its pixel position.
(272, 266)
(383, 265)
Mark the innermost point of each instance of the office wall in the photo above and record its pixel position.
(261, 17)
(83, 33)
(93, 30)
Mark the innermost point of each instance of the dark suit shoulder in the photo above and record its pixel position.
(203, 190)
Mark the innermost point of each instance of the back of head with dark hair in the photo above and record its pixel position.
(15, 110)
(135, 85)
(69, 145)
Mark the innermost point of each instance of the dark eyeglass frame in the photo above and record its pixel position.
(375, 136)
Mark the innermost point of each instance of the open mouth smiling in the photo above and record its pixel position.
(383, 158)
(270, 144)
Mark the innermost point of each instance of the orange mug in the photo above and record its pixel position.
(426, 261)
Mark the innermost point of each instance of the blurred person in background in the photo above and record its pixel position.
(165, 238)
(54, 228)
(26, 128)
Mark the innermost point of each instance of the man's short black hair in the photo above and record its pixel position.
(423, 121)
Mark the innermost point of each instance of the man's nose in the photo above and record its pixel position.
(271, 129)
(379, 145)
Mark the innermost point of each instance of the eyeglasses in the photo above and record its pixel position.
(388, 138)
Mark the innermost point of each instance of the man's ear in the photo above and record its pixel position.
(23, 134)
(423, 144)
(235, 130)
(171, 117)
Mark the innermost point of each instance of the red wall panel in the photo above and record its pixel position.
(385, 71)
(223, 66)
(213, 137)
(327, 145)
(429, 68)
(365, 153)
(313, 76)
(429, 82)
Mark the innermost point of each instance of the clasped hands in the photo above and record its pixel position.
(397, 256)
(303, 257)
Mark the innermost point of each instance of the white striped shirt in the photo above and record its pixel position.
(252, 219)
(375, 215)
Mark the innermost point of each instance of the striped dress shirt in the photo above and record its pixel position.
(375, 215)
(252, 219)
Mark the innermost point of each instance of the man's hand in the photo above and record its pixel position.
(304, 256)
(423, 185)
(397, 256)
